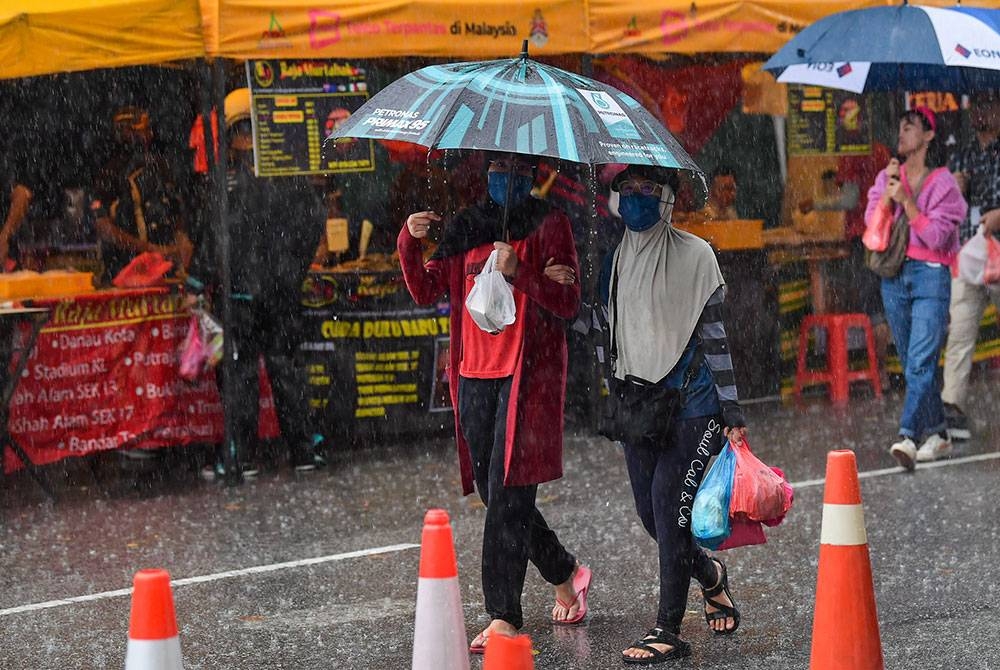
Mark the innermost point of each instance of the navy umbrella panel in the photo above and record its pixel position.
(894, 48)
(517, 105)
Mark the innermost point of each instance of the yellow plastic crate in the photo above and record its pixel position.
(27, 284)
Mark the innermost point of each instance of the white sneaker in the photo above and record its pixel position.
(933, 448)
(905, 453)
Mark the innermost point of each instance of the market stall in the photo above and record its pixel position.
(374, 359)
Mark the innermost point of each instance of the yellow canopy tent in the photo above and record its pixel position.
(704, 26)
(298, 29)
(46, 36)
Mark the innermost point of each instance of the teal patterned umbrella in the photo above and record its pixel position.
(517, 105)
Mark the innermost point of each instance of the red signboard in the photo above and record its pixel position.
(103, 375)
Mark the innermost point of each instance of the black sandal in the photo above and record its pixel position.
(658, 636)
(722, 611)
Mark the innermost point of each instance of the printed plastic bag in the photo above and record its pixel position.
(193, 351)
(710, 512)
(879, 230)
(491, 301)
(758, 493)
(211, 335)
(201, 349)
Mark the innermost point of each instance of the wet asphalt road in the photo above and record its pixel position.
(934, 538)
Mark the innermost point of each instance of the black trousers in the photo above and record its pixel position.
(665, 478)
(258, 331)
(515, 531)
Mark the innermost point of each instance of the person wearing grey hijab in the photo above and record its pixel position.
(666, 294)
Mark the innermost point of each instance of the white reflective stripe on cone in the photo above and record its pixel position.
(154, 654)
(439, 641)
(843, 525)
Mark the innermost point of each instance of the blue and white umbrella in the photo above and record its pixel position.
(517, 105)
(901, 47)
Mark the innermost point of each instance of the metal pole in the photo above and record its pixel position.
(220, 209)
(590, 274)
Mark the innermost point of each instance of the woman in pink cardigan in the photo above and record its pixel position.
(917, 298)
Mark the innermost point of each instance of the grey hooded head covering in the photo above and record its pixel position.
(664, 279)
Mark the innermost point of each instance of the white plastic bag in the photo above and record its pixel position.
(491, 301)
(972, 258)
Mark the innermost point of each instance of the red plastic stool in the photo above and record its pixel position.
(837, 373)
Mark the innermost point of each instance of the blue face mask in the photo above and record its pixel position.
(496, 182)
(639, 212)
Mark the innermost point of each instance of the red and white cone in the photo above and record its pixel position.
(439, 634)
(153, 643)
(845, 623)
(509, 653)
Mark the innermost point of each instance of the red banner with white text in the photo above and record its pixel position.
(103, 375)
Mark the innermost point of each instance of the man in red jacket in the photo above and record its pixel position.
(508, 389)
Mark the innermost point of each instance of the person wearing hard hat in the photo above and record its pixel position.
(274, 226)
(138, 206)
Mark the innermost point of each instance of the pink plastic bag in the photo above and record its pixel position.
(879, 230)
(789, 496)
(193, 352)
(758, 491)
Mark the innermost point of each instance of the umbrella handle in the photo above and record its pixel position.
(504, 227)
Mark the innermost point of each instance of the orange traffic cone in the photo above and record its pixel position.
(152, 633)
(439, 636)
(845, 624)
(504, 652)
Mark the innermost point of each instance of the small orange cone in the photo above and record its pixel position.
(845, 624)
(439, 633)
(153, 643)
(504, 652)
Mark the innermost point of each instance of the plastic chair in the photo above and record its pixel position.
(837, 374)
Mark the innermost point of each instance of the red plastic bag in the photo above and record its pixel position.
(146, 269)
(991, 272)
(193, 352)
(759, 492)
(879, 230)
(743, 533)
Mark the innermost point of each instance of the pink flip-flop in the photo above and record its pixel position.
(478, 645)
(581, 584)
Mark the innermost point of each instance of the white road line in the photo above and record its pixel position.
(260, 569)
(870, 474)
(255, 570)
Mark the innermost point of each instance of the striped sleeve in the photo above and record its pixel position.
(716, 347)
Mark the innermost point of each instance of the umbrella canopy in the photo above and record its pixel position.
(517, 105)
(895, 48)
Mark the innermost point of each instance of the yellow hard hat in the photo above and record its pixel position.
(237, 106)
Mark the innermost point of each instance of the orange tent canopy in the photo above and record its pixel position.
(299, 29)
(46, 36)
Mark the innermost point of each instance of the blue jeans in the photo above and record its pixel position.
(916, 307)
